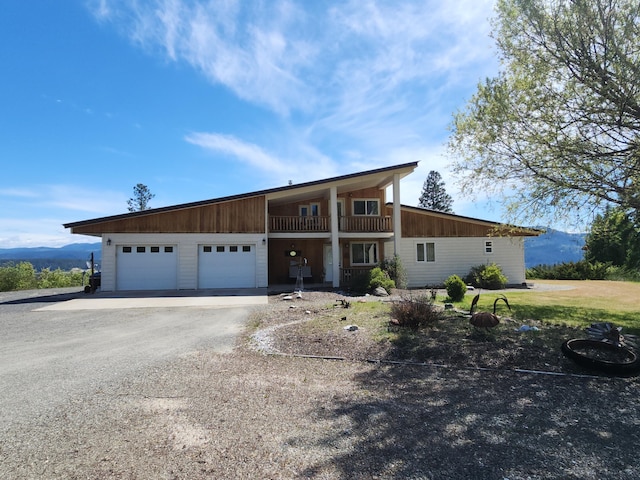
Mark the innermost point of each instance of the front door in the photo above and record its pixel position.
(328, 264)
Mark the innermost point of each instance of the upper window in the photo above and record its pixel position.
(364, 253)
(366, 207)
(311, 210)
(426, 252)
(488, 246)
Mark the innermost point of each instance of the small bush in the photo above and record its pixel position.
(396, 271)
(488, 276)
(415, 313)
(456, 288)
(366, 281)
(380, 278)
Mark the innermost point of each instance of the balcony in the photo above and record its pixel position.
(361, 223)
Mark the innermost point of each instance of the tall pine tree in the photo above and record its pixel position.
(434, 196)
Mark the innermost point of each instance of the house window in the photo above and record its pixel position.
(206, 249)
(366, 207)
(140, 249)
(488, 246)
(126, 249)
(233, 248)
(246, 248)
(155, 249)
(426, 252)
(311, 210)
(220, 249)
(168, 249)
(364, 253)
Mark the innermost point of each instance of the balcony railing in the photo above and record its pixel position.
(347, 275)
(363, 223)
(299, 224)
(366, 223)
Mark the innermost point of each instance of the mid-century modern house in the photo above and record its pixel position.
(325, 230)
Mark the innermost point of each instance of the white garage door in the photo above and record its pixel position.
(146, 267)
(226, 266)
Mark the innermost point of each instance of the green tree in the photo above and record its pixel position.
(614, 238)
(434, 196)
(558, 129)
(141, 198)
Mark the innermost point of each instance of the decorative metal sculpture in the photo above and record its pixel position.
(485, 319)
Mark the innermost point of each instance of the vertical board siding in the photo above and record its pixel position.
(238, 216)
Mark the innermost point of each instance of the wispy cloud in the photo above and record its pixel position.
(251, 154)
(370, 78)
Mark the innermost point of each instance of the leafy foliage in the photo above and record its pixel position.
(556, 131)
(456, 288)
(582, 270)
(396, 271)
(24, 277)
(141, 198)
(415, 313)
(614, 239)
(434, 195)
(487, 276)
(380, 278)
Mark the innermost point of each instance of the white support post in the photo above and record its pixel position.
(335, 238)
(397, 222)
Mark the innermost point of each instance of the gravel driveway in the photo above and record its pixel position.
(51, 355)
(202, 414)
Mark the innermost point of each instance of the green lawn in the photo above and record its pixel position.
(572, 303)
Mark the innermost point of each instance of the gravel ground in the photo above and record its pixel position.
(246, 414)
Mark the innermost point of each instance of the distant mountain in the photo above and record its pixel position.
(67, 257)
(553, 247)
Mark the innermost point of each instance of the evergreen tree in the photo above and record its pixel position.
(434, 196)
(614, 238)
(141, 198)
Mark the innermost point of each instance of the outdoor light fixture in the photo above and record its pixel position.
(108, 242)
(264, 241)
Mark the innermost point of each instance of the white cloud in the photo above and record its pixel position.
(248, 153)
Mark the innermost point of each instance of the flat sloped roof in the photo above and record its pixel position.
(385, 174)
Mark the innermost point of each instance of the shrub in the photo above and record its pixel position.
(456, 288)
(582, 270)
(395, 270)
(488, 276)
(366, 281)
(380, 278)
(415, 313)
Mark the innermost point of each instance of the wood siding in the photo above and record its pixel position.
(279, 261)
(238, 216)
(419, 225)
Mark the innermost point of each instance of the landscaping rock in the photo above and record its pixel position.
(380, 292)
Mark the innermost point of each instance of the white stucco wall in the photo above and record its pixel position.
(457, 256)
(187, 247)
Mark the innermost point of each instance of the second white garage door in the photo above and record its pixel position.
(226, 266)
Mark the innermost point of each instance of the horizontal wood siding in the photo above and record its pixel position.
(457, 256)
(238, 216)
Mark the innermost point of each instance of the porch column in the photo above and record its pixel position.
(335, 240)
(397, 223)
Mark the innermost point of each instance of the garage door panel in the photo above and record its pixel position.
(226, 266)
(146, 267)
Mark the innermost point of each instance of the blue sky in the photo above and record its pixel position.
(203, 99)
